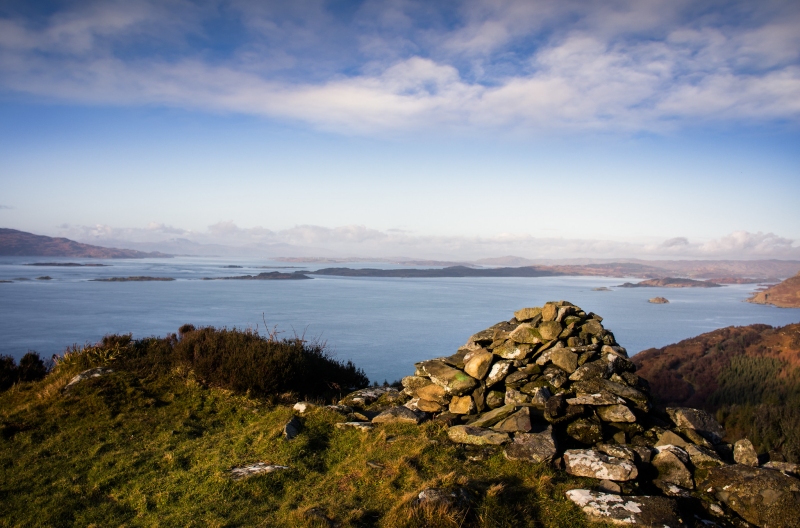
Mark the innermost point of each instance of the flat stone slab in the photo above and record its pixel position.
(596, 399)
(399, 415)
(259, 468)
(366, 396)
(631, 510)
(593, 464)
(467, 434)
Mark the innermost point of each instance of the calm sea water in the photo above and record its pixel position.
(384, 325)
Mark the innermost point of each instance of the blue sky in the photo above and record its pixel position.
(425, 129)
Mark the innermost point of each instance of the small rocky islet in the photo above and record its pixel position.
(552, 386)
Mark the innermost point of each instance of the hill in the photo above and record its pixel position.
(783, 295)
(15, 243)
(749, 376)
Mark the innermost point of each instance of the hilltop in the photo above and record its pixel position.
(783, 295)
(15, 243)
(537, 421)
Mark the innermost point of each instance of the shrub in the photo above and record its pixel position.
(8, 372)
(31, 368)
(266, 366)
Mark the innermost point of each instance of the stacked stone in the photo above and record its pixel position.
(550, 366)
(553, 385)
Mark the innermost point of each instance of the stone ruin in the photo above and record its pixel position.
(553, 386)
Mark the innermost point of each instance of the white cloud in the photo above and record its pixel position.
(538, 66)
(359, 240)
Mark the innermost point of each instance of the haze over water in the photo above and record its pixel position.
(383, 325)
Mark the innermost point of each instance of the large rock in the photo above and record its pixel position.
(630, 510)
(462, 405)
(565, 359)
(498, 372)
(434, 393)
(744, 453)
(477, 363)
(526, 333)
(520, 421)
(512, 350)
(468, 434)
(596, 399)
(532, 447)
(698, 420)
(453, 380)
(591, 463)
(363, 397)
(592, 386)
(550, 329)
(292, 428)
(526, 314)
(494, 416)
(671, 463)
(616, 413)
(763, 497)
(586, 430)
(399, 415)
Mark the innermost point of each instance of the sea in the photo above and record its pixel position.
(383, 325)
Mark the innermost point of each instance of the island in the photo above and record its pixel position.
(67, 265)
(272, 275)
(658, 300)
(783, 295)
(133, 279)
(671, 283)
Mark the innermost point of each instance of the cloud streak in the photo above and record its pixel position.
(359, 240)
(405, 66)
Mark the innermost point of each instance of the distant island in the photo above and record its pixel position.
(452, 271)
(133, 279)
(67, 264)
(659, 300)
(670, 283)
(15, 243)
(272, 275)
(783, 295)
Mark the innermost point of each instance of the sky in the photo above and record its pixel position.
(448, 130)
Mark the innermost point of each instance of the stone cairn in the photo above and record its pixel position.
(553, 386)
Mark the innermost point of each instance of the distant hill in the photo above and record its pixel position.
(748, 375)
(15, 243)
(784, 295)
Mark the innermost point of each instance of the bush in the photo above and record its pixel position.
(31, 368)
(239, 360)
(265, 366)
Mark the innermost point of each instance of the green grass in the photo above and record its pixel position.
(153, 447)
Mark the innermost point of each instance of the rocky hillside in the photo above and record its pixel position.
(784, 295)
(15, 243)
(749, 376)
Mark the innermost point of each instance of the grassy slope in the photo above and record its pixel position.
(119, 450)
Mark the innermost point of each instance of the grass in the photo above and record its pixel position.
(153, 447)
